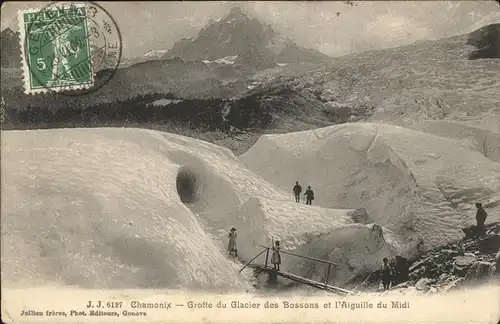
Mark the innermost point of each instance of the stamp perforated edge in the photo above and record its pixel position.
(24, 64)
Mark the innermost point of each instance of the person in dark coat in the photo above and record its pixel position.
(309, 195)
(386, 274)
(297, 189)
(480, 218)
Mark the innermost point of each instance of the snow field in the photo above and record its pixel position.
(417, 184)
(130, 208)
(98, 209)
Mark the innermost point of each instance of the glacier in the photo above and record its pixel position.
(419, 185)
(133, 208)
(136, 208)
(483, 137)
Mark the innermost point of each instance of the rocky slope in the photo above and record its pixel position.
(487, 42)
(473, 260)
(433, 80)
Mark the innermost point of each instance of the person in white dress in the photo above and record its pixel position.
(276, 258)
(233, 250)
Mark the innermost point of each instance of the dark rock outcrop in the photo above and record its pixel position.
(360, 216)
(478, 272)
(465, 262)
(401, 270)
(487, 42)
(489, 244)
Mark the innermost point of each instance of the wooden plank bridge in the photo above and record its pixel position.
(315, 284)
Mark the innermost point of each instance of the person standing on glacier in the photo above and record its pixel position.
(480, 218)
(309, 195)
(297, 189)
(386, 274)
(233, 250)
(276, 257)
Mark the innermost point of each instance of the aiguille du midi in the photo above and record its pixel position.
(367, 305)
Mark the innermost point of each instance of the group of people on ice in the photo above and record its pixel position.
(276, 257)
(233, 250)
(309, 194)
(389, 274)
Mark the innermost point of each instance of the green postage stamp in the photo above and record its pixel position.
(56, 48)
(68, 46)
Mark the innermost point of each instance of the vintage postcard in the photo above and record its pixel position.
(250, 162)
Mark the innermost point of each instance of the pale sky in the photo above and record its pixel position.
(369, 25)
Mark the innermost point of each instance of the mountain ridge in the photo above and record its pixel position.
(255, 44)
